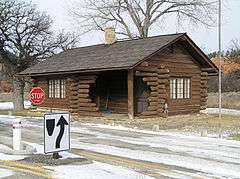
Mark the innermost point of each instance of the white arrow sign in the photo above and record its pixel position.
(56, 132)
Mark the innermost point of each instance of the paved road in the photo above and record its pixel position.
(161, 154)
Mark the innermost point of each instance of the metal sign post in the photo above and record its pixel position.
(56, 133)
(220, 66)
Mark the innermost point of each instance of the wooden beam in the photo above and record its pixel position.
(130, 82)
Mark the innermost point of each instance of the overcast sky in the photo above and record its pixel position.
(207, 39)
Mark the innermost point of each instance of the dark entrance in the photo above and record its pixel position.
(111, 92)
(142, 91)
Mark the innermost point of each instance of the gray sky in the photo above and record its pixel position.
(207, 39)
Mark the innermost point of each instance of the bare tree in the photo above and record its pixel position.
(233, 53)
(25, 38)
(135, 18)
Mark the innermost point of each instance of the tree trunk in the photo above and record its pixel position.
(18, 90)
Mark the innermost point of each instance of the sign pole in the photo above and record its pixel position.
(220, 66)
(56, 155)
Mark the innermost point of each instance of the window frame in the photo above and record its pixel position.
(174, 93)
(58, 88)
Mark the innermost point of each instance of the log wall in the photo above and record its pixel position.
(174, 62)
(62, 103)
(204, 92)
(157, 80)
(80, 100)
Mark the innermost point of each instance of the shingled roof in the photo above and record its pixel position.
(120, 55)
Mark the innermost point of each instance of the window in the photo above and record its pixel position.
(57, 88)
(180, 88)
(173, 88)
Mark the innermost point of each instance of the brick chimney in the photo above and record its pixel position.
(110, 36)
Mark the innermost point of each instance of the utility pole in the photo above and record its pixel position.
(220, 64)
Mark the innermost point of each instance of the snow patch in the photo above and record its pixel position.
(5, 173)
(10, 105)
(11, 157)
(224, 111)
(95, 170)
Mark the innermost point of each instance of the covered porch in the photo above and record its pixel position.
(132, 92)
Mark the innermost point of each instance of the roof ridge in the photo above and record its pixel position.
(125, 40)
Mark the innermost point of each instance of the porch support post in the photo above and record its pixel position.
(130, 94)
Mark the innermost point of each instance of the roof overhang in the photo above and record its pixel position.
(74, 72)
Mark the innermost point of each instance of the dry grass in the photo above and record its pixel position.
(197, 121)
(230, 100)
(235, 136)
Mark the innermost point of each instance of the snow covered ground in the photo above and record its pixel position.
(211, 157)
(185, 156)
(9, 105)
(224, 111)
(96, 170)
(5, 173)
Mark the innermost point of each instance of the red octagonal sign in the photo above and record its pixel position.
(37, 95)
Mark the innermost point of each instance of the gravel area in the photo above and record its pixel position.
(48, 160)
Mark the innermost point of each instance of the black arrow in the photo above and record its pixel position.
(62, 122)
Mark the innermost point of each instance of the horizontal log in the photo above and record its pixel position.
(84, 86)
(149, 113)
(153, 88)
(163, 96)
(74, 93)
(83, 90)
(72, 110)
(86, 81)
(153, 103)
(73, 102)
(163, 81)
(152, 83)
(163, 71)
(204, 74)
(146, 69)
(161, 87)
(87, 104)
(153, 99)
(146, 74)
(153, 94)
(163, 76)
(74, 106)
(84, 100)
(162, 101)
(152, 108)
(73, 98)
(83, 95)
(150, 79)
(73, 85)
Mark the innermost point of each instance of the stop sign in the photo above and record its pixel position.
(37, 95)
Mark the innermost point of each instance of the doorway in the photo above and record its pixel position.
(142, 92)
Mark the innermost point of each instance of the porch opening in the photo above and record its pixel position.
(111, 92)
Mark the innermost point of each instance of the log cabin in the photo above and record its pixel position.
(151, 77)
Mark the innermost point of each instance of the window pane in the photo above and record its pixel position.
(173, 88)
(57, 88)
(180, 88)
(187, 88)
(50, 88)
(63, 88)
